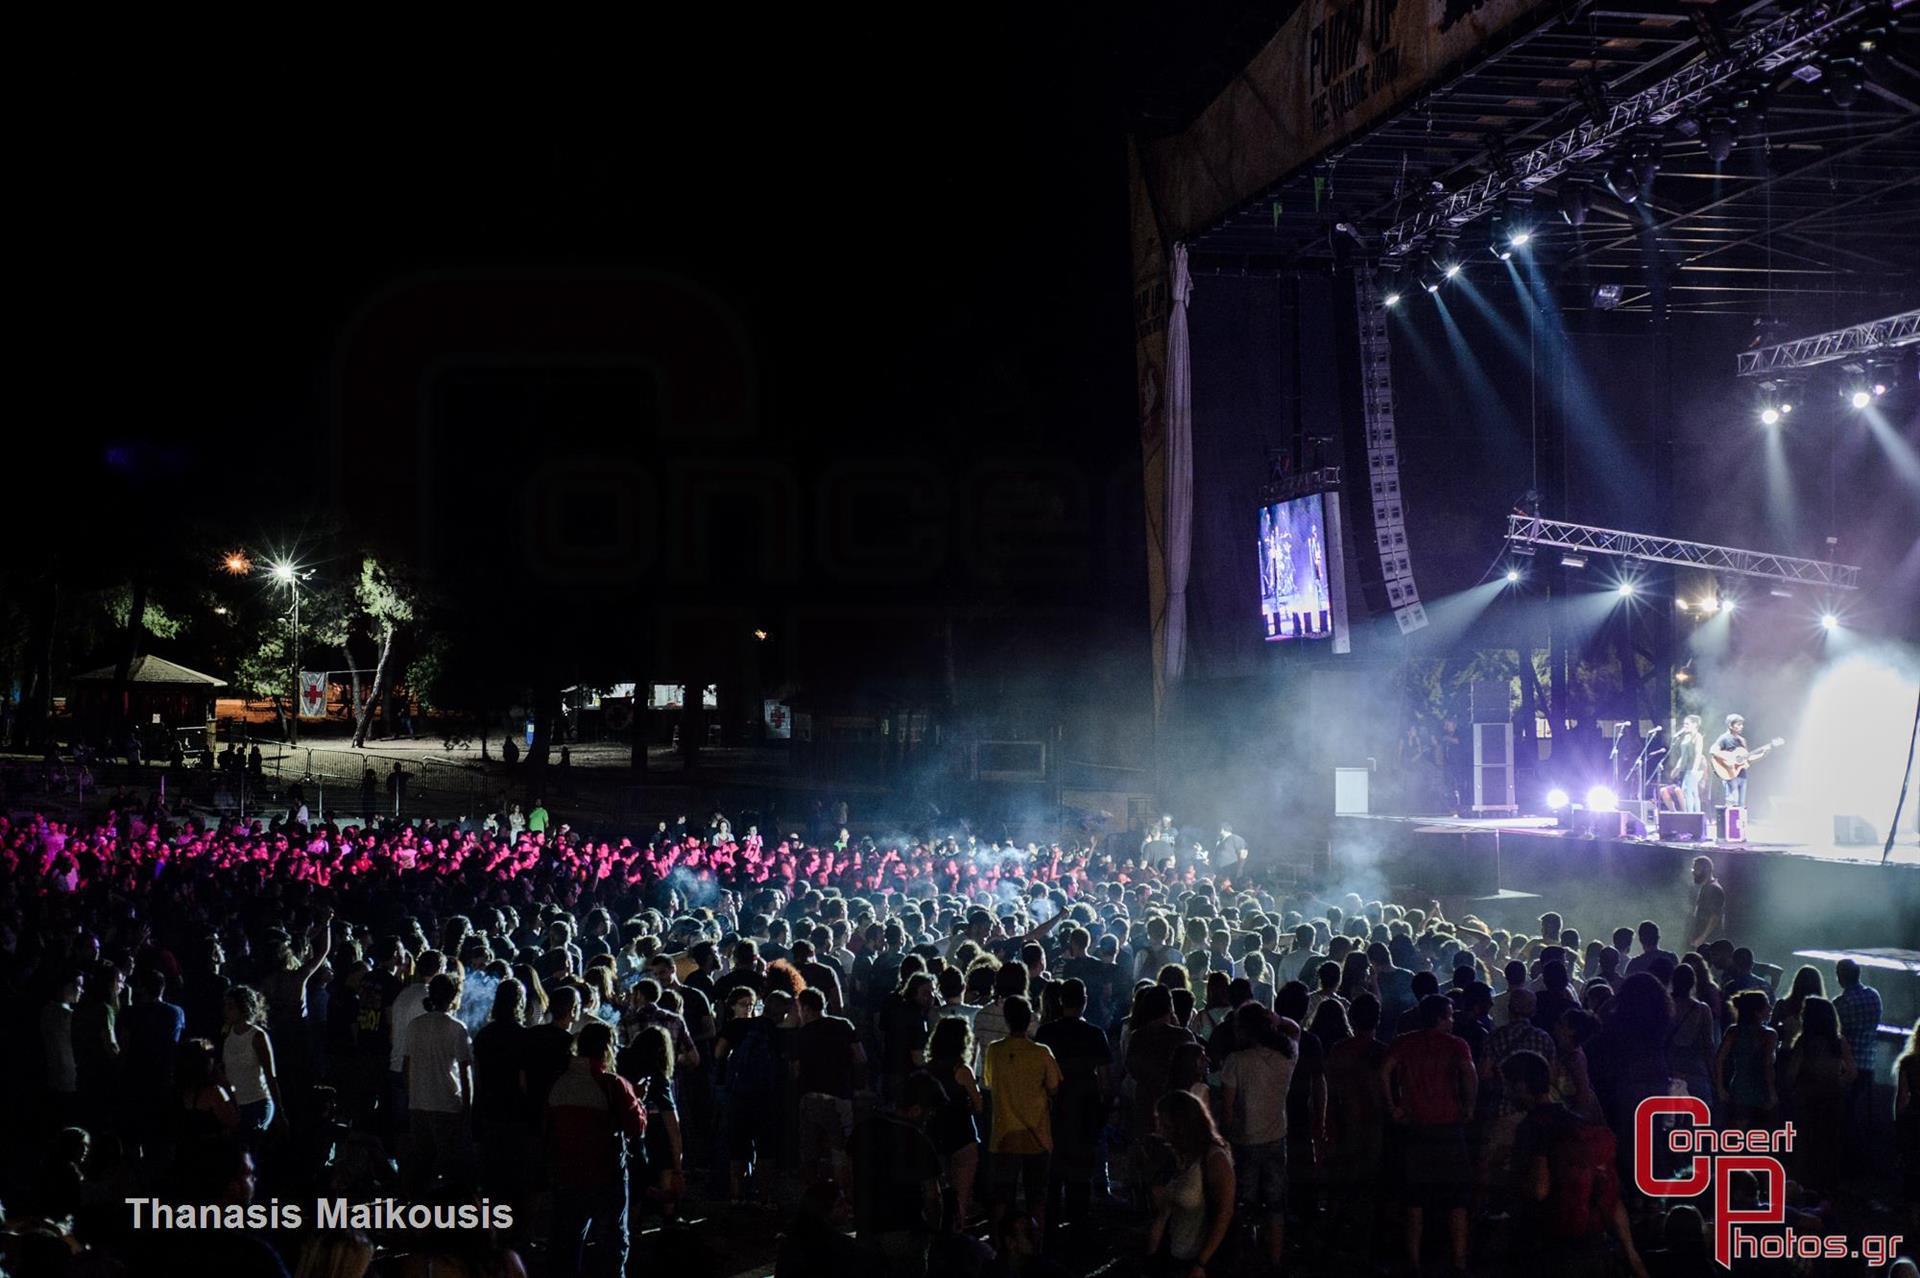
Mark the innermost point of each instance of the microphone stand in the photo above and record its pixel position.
(1638, 772)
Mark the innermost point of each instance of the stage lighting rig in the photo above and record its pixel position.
(1623, 179)
(1574, 199)
(1722, 135)
(1841, 82)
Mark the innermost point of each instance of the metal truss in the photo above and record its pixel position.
(1761, 51)
(1527, 530)
(1882, 334)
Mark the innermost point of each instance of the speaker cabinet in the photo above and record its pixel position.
(1493, 768)
(1683, 827)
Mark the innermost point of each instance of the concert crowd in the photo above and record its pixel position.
(519, 1051)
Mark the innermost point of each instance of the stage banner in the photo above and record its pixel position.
(1334, 68)
(1152, 303)
(313, 694)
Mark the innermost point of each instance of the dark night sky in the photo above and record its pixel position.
(920, 229)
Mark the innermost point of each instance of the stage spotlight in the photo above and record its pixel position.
(1646, 163)
(1785, 408)
(1513, 575)
(1430, 281)
(1450, 270)
(1571, 560)
(1829, 622)
(1501, 249)
(1624, 180)
(1557, 799)
(1860, 398)
(1520, 238)
(1574, 199)
(1879, 389)
(1770, 415)
(1721, 135)
(1601, 799)
(1391, 300)
(1842, 82)
(1625, 590)
(1727, 606)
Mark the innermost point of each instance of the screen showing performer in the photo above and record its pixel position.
(1295, 599)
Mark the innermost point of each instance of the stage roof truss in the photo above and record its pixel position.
(1764, 50)
(1527, 530)
(1828, 207)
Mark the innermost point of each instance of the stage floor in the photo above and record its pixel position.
(1906, 848)
(1782, 896)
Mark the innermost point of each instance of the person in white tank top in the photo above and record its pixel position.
(246, 1059)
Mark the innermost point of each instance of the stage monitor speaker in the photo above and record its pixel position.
(1734, 828)
(1850, 831)
(1493, 767)
(1683, 827)
(1602, 825)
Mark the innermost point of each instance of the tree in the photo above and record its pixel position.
(388, 601)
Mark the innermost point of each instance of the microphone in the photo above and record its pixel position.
(1656, 732)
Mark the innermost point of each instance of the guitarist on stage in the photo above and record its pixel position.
(1734, 738)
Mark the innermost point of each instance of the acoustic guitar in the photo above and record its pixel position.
(1730, 764)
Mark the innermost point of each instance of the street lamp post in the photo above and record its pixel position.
(287, 575)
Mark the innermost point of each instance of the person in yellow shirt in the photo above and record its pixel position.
(1022, 1078)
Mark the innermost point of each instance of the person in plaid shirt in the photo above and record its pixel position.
(1859, 1009)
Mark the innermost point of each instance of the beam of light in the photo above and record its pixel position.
(1480, 390)
(1626, 589)
(1897, 446)
(1450, 617)
(1557, 799)
(1601, 799)
(1829, 622)
(1846, 753)
(1598, 443)
(1513, 576)
(1713, 638)
(1512, 336)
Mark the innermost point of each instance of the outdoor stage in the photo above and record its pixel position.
(1780, 897)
